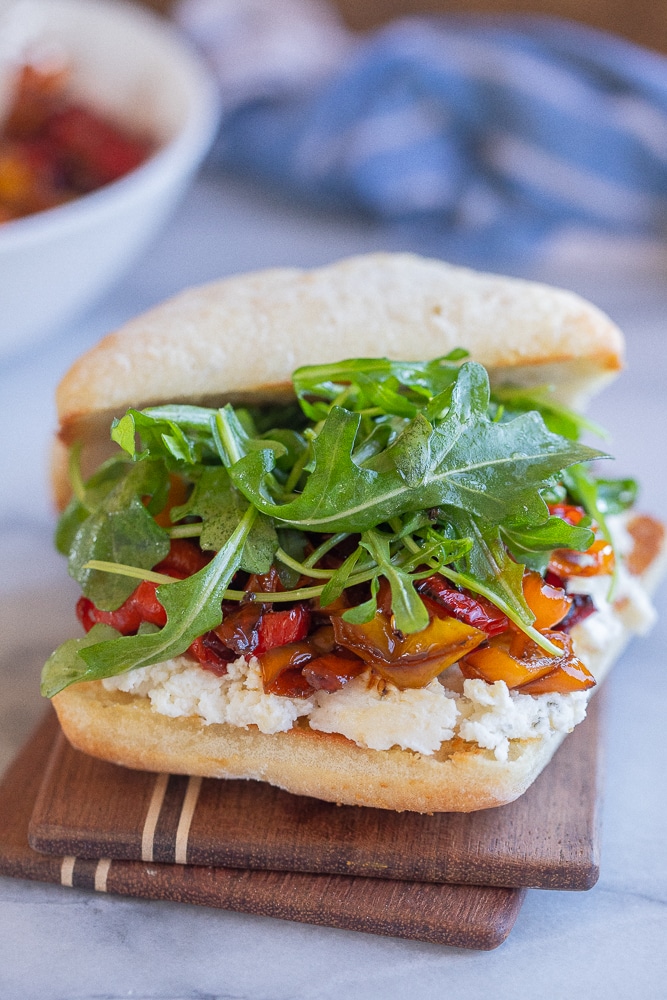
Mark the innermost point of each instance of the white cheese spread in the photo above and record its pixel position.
(493, 715)
(377, 716)
(180, 687)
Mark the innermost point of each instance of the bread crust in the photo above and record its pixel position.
(251, 332)
(246, 335)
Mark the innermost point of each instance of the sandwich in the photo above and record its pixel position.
(337, 530)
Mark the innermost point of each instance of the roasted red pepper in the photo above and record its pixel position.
(595, 561)
(94, 150)
(472, 610)
(141, 606)
(276, 628)
(517, 660)
(53, 150)
(211, 653)
(184, 559)
(332, 671)
(239, 630)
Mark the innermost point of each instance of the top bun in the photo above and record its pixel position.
(245, 335)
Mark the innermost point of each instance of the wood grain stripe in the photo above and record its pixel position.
(101, 873)
(152, 816)
(84, 874)
(67, 871)
(187, 812)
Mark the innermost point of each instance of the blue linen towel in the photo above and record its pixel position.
(482, 136)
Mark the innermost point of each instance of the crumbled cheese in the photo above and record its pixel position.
(371, 714)
(493, 715)
(380, 716)
(180, 687)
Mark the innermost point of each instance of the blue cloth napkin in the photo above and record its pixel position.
(480, 136)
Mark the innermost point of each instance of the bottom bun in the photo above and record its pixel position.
(459, 777)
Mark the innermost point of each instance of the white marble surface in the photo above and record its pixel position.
(62, 944)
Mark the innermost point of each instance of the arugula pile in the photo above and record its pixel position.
(419, 463)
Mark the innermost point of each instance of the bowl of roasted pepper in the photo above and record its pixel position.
(105, 113)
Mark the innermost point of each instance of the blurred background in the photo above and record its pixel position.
(506, 135)
(644, 21)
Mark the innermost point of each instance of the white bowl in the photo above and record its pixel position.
(134, 66)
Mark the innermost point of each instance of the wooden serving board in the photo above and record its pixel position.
(462, 916)
(547, 839)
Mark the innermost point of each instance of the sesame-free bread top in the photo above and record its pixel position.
(246, 335)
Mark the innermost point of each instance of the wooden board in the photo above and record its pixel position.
(463, 916)
(547, 839)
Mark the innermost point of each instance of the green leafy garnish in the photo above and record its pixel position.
(220, 506)
(65, 666)
(409, 611)
(118, 528)
(465, 460)
(416, 467)
(532, 546)
(558, 418)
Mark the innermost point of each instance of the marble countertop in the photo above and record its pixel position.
(60, 944)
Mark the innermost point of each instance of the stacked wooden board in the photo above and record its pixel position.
(450, 878)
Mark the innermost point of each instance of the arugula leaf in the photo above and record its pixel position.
(338, 582)
(558, 418)
(92, 494)
(221, 507)
(397, 387)
(488, 564)
(295, 446)
(260, 546)
(532, 545)
(409, 610)
(365, 612)
(65, 666)
(616, 495)
(233, 440)
(69, 523)
(382, 433)
(193, 606)
(410, 453)
(287, 414)
(492, 470)
(181, 435)
(582, 487)
(294, 544)
(211, 499)
(121, 529)
(447, 550)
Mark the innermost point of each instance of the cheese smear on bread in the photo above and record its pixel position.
(372, 715)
